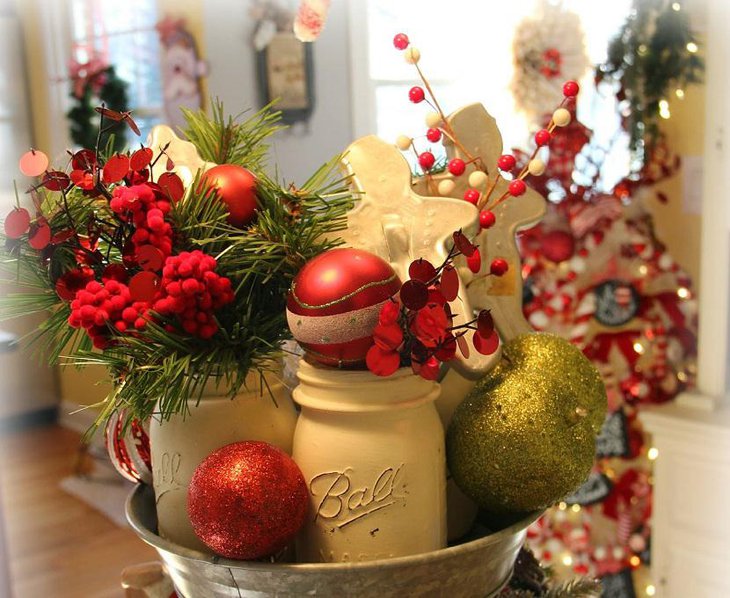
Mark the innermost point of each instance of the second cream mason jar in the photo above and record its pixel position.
(372, 453)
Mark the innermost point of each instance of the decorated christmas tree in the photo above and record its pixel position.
(596, 273)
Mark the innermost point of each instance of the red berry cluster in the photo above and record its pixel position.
(97, 306)
(192, 291)
(140, 205)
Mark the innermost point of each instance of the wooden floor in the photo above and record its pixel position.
(57, 546)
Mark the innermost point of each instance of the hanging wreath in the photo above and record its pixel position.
(93, 83)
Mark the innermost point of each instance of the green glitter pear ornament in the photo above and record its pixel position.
(524, 437)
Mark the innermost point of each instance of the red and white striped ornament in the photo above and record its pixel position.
(335, 302)
(129, 451)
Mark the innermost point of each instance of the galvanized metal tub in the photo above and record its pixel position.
(474, 569)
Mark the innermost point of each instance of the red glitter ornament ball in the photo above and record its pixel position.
(416, 94)
(247, 500)
(236, 186)
(129, 450)
(558, 246)
(334, 304)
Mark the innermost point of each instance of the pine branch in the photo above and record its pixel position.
(226, 140)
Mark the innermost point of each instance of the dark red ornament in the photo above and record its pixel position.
(401, 41)
(558, 246)
(416, 94)
(236, 186)
(247, 500)
(334, 304)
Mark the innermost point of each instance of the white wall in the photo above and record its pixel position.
(231, 57)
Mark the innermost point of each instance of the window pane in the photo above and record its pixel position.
(124, 34)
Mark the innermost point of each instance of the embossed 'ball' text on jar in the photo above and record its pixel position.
(372, 453)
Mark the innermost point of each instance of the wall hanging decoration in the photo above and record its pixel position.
(182, 70)
(548, 48)
(285, 65)
(95, 82)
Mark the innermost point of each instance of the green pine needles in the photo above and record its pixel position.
(160, 369)
(654, 54)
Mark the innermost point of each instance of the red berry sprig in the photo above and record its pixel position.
(192, 291)
(99, 307)
(417, 327)
(141, 206)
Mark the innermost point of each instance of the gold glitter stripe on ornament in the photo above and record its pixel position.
(369, 285)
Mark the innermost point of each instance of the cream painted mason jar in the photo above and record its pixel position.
(372, 453)
(178, 445)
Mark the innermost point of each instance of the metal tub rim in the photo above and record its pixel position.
(143, 494)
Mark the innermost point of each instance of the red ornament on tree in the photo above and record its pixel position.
(334, 303)
(247, 500)
(558, 246)
(236, 186)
